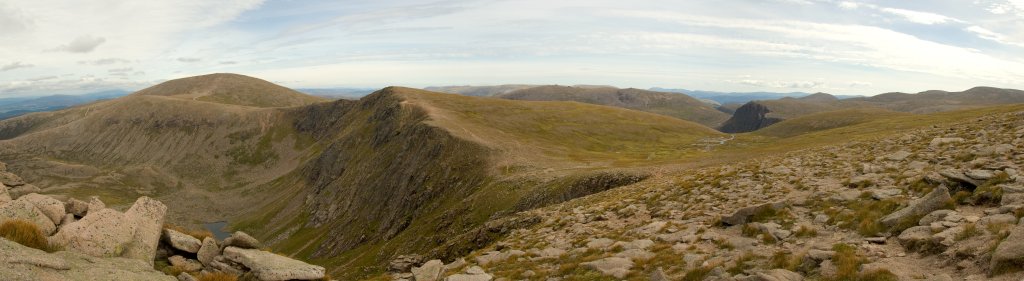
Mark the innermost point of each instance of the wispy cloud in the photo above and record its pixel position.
(14, 65)
(920, 17)
(81, 44)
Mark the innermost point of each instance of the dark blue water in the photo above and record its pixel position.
(218, 229)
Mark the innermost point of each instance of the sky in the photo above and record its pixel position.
(839, 47)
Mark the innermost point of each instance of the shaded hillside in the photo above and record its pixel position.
(230, 89)
(675, 105)
(479, 91)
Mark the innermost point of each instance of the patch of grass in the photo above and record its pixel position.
(174, 270)
(785, 260)
(698, 274)
(970, 230)
(197, 233)
(962, 197)
(743, 263)
(806, 231)
(848, 264)
(27, 234)
(865, 216)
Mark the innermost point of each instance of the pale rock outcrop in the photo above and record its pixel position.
(429, 271)
(937, 199)
(474, 273)
(103, 233)
(19, 191)
(269, 266)
(778, 275)
(18, 262)
(24, 210)
(182, 241)
(95, 204)
(242, 240)
(76, 207)
(4, 195)
(53, 208)
(208, 250)
(147, 217)
(1010, 251)
(742, 215)
(185, 264)
(612, 266)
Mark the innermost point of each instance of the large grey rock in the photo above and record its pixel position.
(778, 275)
(18, 262)
(19, 191)
(474, 273)
(182, 241)
(53, 208)
(76, 207)
(185, 264)
(103, 233)
(743, 215)
(957, 176)
(95, 204)
(1010, 251)
(24, 210)
(935, 200)
(269, 266)
(942, 141)
(404, 262)
(9, 179)
(242, 240)
(208, 250)
(612, 266)
(147, 217)
(4, 195)
(430, 271)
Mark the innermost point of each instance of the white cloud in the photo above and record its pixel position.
(104, 61)
(834, 43)
(780, 84)
(81, 44)
(992, 35)
(15, 65)
(849, 5)
(920, 17)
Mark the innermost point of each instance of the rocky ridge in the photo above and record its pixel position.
(89, 241)
(941, 203)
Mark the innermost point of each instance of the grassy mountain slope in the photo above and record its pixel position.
(437, 166)
(230, 89)
(763, 113)
(348, 184)
(827, 120)
(670, 104)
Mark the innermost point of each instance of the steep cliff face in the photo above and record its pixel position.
(749, 117)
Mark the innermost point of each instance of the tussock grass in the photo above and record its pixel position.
(27, 234)
(848, 264)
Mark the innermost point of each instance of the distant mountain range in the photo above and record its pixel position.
(338, 93)
(11, 107)
(740, 97)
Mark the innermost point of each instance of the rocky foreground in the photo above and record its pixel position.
(89, 241)
(943, 203)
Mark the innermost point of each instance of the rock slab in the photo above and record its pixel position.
(269, 266)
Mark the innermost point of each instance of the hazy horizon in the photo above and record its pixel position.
(837, 47)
